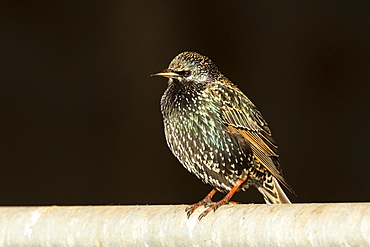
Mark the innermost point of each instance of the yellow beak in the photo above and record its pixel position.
(166, 73)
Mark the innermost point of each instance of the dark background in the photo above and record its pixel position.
(79, 115)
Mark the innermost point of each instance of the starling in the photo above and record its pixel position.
(217, 133)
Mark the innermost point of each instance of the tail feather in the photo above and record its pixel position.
(273, 193)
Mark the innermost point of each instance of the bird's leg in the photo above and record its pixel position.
(215, 205)
(206, 201)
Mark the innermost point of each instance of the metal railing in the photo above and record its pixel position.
(335, 224)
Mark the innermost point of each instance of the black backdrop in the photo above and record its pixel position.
(80, 120)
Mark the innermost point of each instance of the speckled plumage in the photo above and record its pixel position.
(217, 133)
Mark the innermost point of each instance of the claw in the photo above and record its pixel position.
(190, 210)
(205, 212)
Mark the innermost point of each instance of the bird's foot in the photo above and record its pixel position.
(214, 206)
(206, 202)
(210, 205)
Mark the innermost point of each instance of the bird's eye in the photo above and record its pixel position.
(185, 73)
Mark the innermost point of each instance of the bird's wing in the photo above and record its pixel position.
(241, 116)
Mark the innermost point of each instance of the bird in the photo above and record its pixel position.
(218, 134)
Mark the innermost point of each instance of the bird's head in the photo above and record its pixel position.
(190, 68)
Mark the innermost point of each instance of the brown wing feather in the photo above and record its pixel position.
(241, 116)
(262, 152)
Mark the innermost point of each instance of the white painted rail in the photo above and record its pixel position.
(336, 224)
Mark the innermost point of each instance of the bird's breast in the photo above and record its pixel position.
(197, 136)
